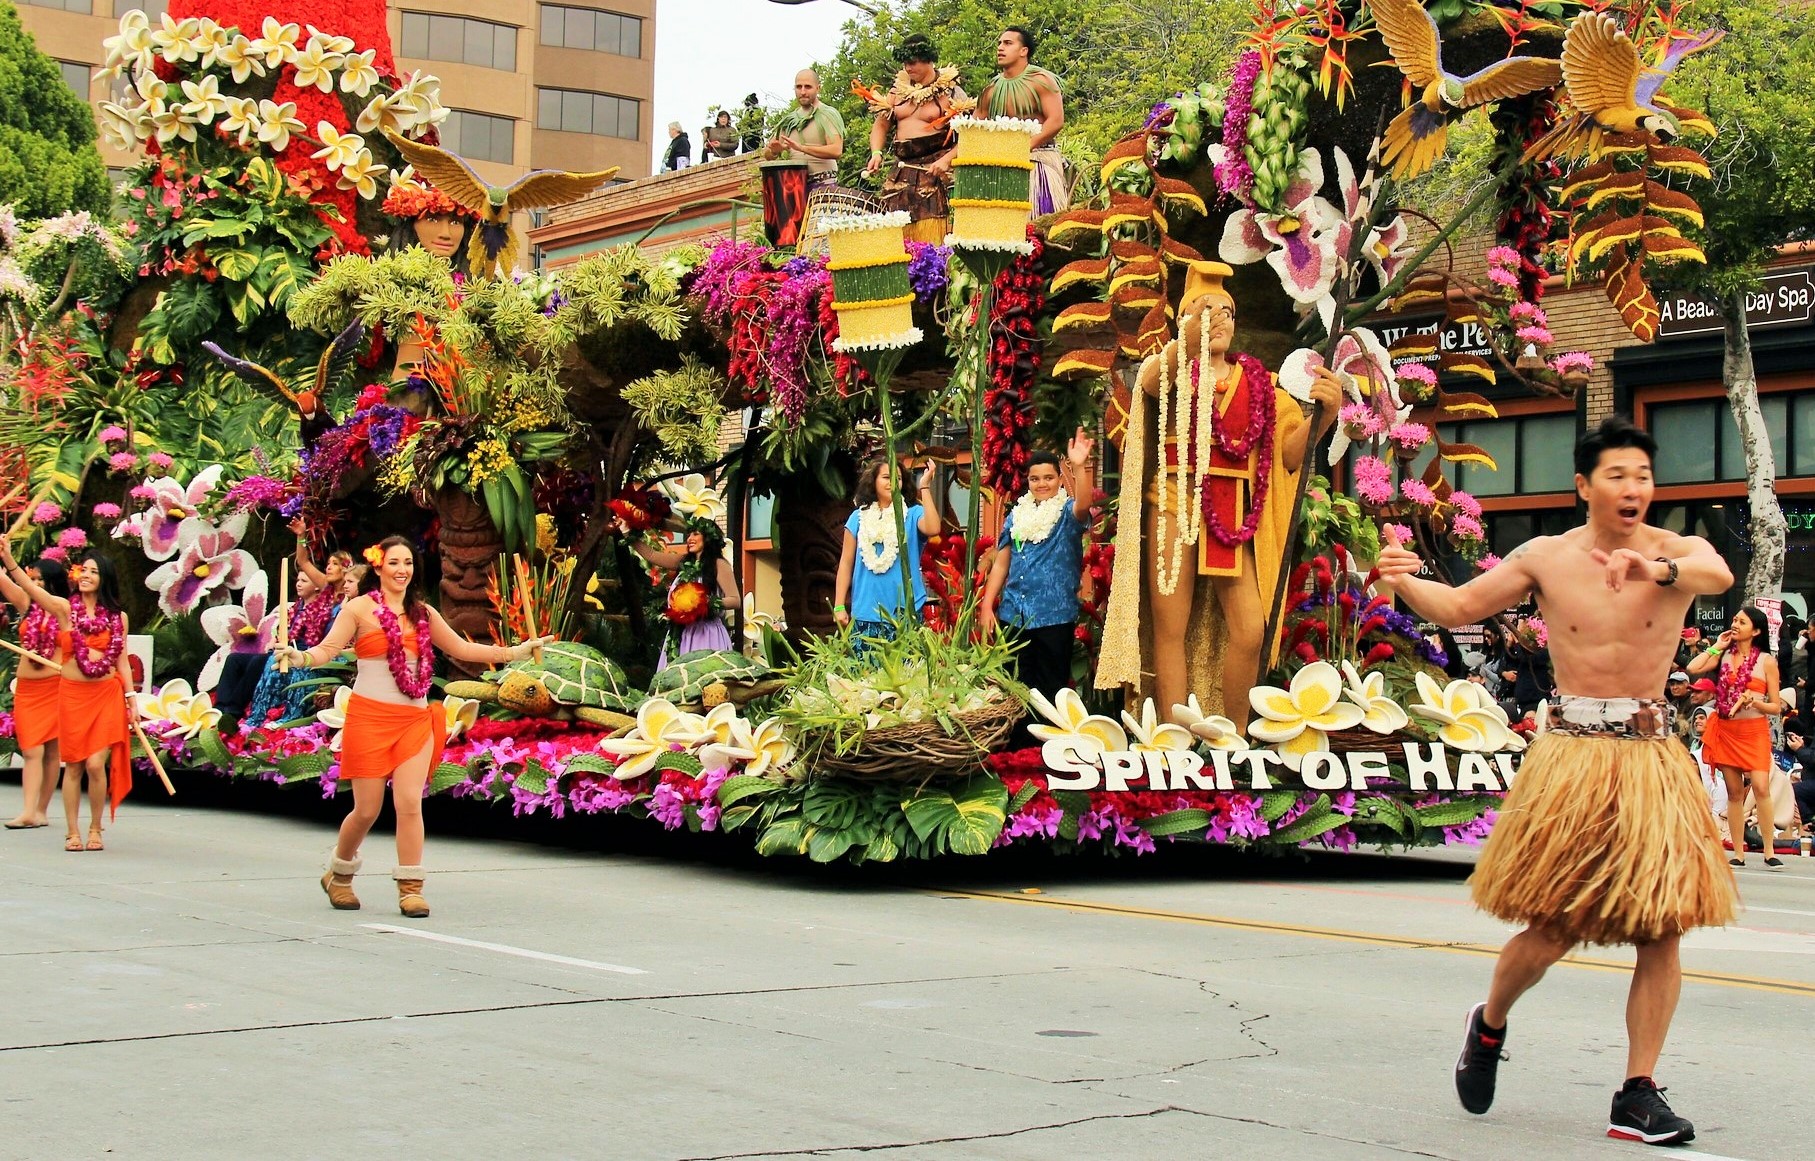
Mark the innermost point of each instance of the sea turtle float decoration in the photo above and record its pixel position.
(707, 677)
(570, 680)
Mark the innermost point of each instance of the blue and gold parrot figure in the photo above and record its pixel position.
(494, 248)
(1416, 137)
(1612, 91)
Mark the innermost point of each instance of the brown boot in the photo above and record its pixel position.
(338, 883)
(409, 892)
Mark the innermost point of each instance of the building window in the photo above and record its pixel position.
(575, 111)
(1533, 454)
(85, 7)
(461, 40)
(76, 76)
(479, 136)
(1698, 443)
(590, 29)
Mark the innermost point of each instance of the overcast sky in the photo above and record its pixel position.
(714, 51)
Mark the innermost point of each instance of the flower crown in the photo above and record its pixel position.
(412, 198)
(374, 555)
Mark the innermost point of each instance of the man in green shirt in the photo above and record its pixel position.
(810, 131)
(1027, 92)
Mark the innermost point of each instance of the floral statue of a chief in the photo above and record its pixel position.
(1294, 176)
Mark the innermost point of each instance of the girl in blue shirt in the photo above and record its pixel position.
(1039, 563)
(869, 579)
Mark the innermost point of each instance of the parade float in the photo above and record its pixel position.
(527, 430)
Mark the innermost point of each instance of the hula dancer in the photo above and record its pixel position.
(873, 587)
(1737, 739)
(35, 693)
(1039, 560)
(1024, 91)
(1605, 836)
(392, 731)
(703, 585)
(95, 697)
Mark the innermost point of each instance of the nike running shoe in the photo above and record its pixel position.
(1479, 1063)
(1640, 1113)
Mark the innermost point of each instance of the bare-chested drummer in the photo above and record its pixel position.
(1605, 836)
(810, 131)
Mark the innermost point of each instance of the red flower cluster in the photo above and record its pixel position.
(1527, 222)
(942, 567)
(640, 508)
(1014, 366)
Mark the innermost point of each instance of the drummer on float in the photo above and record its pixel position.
(809, 131)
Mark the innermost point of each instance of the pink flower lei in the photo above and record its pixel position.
(310, 624)
(39, 632)
(1256, 436)
(86, 624)
(412, 684)
(1734, 678)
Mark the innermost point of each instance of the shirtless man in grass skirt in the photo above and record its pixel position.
(1605, 836)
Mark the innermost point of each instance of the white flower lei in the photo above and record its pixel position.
(877, 540)
(1035, 519)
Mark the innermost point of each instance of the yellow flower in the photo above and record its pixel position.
(461, 713)
(592, 588)
(381, 113)
(276, 42)
(362, 175)
(240, 58)
(205, 101)
(357, 74)
(131, 44)
(1088, 735)
(277, 122)
(240, 117)
(1152, 734)
(1380, 713)
(762, 749)
(693, 496)
(1296, 721)
(170, 124)
(210, 38)
(192, 716)
(661, 727)
(337, 148)
(316, 65)
(545, 533)
(174, 40)
(1215, 730)
(1470, 719)
(332, 42)
(164, 704)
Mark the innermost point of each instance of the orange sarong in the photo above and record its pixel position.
(35, 701)
(92, 717)
(381, 736)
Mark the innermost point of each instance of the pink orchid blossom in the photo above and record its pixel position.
(206, 558)
(171, 504)
(1368, 369)
(1300, 243)
(248, 627)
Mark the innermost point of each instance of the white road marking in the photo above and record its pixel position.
(504, 949)
(1778, 911)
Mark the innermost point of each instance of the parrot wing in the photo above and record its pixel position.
(1600, 65)
(1411, 36)
(1513, 77)
(540, 188)
(250, 373)
(450, 173)
(1673, 56)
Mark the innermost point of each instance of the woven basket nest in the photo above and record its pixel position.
(915, 751)
(1349, 741)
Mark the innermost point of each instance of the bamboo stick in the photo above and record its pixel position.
(28, 654)
(132, 714)
(529, 608)
(283, 616)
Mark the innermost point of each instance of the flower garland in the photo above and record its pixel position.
(689, 600)
(878, 541)
(1734, 680)
(310, 623)
(413, 684)
(1233, 175)
(38, 632)
(1256, 437)
(1034, 519)
(87, 622)
(1015, 355)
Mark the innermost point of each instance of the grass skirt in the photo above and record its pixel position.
(1606, 840)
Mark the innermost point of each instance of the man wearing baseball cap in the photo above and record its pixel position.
(1677, 690)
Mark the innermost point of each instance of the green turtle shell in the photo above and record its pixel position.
(579, 675)
(687, 676)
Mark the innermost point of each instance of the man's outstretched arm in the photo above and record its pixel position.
(1495, 590)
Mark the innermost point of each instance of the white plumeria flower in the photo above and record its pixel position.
(1379, 712)
(1152, 734)
(240, 117)
(316, 66)
(174, 39)
(131, 44)
(333, 42)
(205, 101)
(1470, 719)
(1213, 729)
(193, 716)
(418, 102)
(168, 124)
(210, 38)
(242, 58)
(755, 621)
(693, 496)
(661, 726)
(151, 88)
(762, 749)
(335, 716)
(357, 75)
(462, 712)
(337, 148)
(362, 174)
(1297, 720)
(1088, 735)
(276, 123)
(276, 42)
(380, 113)
(162, 705)
(719, 726)
(126, 126)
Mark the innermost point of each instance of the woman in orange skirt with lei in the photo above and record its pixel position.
(392, 730)
(1737, 739)
(95, 697)
(35, 692)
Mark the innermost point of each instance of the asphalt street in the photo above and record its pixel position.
(189, 994)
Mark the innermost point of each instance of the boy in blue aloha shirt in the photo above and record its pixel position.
(1039, 562)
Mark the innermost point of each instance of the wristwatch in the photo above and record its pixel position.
(1670, 564)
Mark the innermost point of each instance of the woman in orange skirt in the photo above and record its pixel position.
(95, 696)
(1737, 739)
(35, 692)
(392, 731)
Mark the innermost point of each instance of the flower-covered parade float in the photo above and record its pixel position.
(1235, 680)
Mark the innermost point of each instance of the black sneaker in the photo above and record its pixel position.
(1479, 1063)
(1640, 1113)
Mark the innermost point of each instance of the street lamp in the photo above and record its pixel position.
(858, 4)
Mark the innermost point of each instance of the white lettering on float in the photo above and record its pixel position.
(1427, 768)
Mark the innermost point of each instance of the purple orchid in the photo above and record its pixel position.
(1367, 369)
(208, 557)
(248, 627)
(172, 504)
